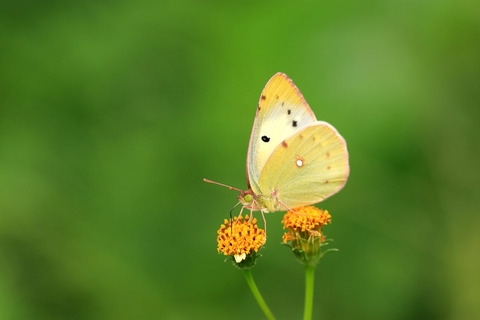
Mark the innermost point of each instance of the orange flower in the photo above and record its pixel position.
(307, 218)
(240, 238)
(304, 234)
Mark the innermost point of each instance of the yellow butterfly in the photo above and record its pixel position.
(293, 160)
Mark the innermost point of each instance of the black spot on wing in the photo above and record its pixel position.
(294, 123)
(265, 139)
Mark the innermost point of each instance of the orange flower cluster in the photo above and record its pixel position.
(304, 233)
(307, 218)
(240, 238)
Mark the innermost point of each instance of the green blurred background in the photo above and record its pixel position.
(112, 112)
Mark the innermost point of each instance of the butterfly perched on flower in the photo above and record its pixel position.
(293, 159)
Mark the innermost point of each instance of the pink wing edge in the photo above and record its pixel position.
(347, 156)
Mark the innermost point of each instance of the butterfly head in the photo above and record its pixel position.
(247, 198)
(255, 202)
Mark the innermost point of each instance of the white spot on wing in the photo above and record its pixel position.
(299, 162)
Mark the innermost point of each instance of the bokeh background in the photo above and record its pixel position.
(112, 112)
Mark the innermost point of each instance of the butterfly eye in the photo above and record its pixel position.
(248, 198)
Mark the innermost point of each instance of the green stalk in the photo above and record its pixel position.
(256, 293)
(309, 285)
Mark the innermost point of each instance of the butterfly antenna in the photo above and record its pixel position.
(223, 185)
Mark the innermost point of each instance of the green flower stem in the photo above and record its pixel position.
(309, 285)
(257, 295)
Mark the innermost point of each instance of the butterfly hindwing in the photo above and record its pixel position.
(282, 111)
(306, 168)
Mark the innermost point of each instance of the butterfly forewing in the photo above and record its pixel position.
(306, 168)
(282, 111)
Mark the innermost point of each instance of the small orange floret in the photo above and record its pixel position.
(240, 238)
(288, 237)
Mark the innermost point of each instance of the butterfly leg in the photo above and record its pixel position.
(251, 213)
(290, 209)
(241, 211)
(264, 223)
(231, 210)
